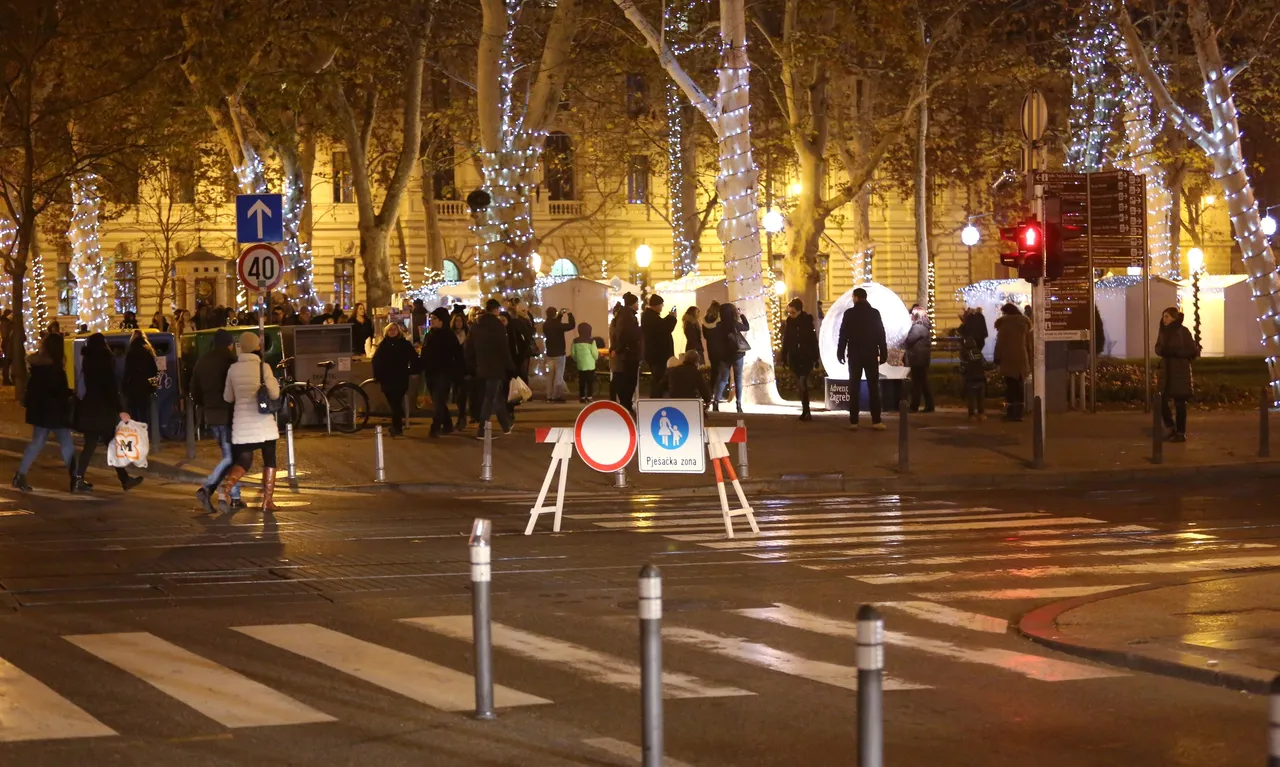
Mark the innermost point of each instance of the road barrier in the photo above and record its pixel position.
(1157, 426)
(744, 468)
(904, 451)
(288, 443)
(650, 609)
(1264, 424)
(481, 575)
(870, 687)
(1037, 433)
(379, 463)
(486, 459)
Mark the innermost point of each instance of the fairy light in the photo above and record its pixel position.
(933, 299)
(677, 29)
(87, 264)
(297, 254)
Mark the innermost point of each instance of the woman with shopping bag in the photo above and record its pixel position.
(100, 408)
(254, 394)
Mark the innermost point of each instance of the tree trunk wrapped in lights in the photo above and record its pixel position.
(87, 264)
(1221, 143)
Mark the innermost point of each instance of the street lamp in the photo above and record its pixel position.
(644, 257)
(536, 259)
(779, 288)
(970, 235)
(773, 221)
(1195, 259)
(1268, 224)
(794, 189)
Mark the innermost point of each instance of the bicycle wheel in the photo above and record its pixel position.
(293, 406)
(348, 407)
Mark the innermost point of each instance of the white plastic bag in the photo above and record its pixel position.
(129, 446)
(519, 391)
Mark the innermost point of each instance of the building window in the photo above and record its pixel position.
(444, 182)
(344, 189)
(126, 286)
(451, 271)
(638, 180)
(636, 98)
(344, 281)
(563, 267)
(182, 181)
(68, 294)
(557, 166)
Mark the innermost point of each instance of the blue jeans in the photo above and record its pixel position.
(723, 381)
(39, 436)
(223, 435)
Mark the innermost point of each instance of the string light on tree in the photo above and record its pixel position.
(87, 265)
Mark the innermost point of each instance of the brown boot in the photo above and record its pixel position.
(268, 490)
(224, 493)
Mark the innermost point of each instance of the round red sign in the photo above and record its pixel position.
(605, 436)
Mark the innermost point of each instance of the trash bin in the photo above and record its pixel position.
(309, 345)
(167, 398)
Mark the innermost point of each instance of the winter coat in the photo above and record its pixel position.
(693, 336)
(627, 341)
(520, 329)
(1176, 348)
(208, 381)
(1013, 345)
(685, 381)
(393, 362)
(361, 332)
(419, 315)
(585, 354)
(139, 369)
(656, 328)
(244, 377)
(862, 339)
(800, 343)
(489, 355)
(973, 366)
(974, 325)
(553, 329)
(711, 333)
(729, 336)
(48, 397)
(919, 345)
(442, 355)
(100, 408)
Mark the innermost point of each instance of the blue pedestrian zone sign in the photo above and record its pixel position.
(259, 218)
(671, 436)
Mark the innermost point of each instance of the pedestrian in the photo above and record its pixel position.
(973, 366)
(919, 353)
(490, 357)
(129, 321)
(158, 322)
(251, 429)
(394, 361)
(1013, 355)
(99, 409)
(800, 350)
(361, 329)
(684, 379)
(208, 382)
(181, 321)
(553, 330)
(627, 343)
(585, 356)
(419, 315)
(692, 332)
(48, 404)
(54, 329)
(862, 343)
(139, 382)
(711, 337)
(733, 348)
(613, 358)
(1176, 348)
(659, 346)
(462, 385)
(443, 366)
(520, 327)
(304, 316)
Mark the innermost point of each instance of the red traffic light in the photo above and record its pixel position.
(1029, 236)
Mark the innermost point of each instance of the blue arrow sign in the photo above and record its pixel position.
(259, 218)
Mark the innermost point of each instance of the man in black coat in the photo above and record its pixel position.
(800, 350)
(208, 380)
(626, 342)
(520, 329)
(862, 342)
(658, 345)
(489, 355)
(443, 366)
(553, 330)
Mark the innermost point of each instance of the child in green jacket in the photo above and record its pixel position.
(585, 353)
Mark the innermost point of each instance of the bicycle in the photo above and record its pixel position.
(344, 404)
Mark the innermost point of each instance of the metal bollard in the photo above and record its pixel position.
(1264, 424)
(650, 607)
(870, 687)
(620, 478)
(288, 443)
(1037, 434)
(486, 460)
(904, 454)
(481, 575)
(1157, 439)
(744, 467)
(379, 467)
(191, 428)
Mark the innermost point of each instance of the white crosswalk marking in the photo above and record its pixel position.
(30, 710)
(1065, 571)
(597, 666)
(778, 660)
(1013, 519)
(1064, 592)
(1031, 666)
(866, 538)
(217, 692)
(710, 510)
(950, 616)
(1006, 556)
(881, 517)
(436, 686)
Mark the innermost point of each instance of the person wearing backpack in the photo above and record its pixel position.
(251, 428)
(732, 346)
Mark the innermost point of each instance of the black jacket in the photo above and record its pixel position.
(729, 338)
(800, 343)
(1176, 348)
(685, 381)
(656, 329)
(489, 349)
(393, 362)
(360, 332)
(918, 346)
(862, 336)
(693, 336)
(626, 340)
(100, 408)
(208, 380)
(521, 331)
(553, 329)
(139, 369)
(442, 354)
(48, 397)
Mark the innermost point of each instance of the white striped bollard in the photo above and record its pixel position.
(288, 443)
(650, 609)
(744, 467)
(379, 464)
(486, 458)
(481, 575)
(870, 687)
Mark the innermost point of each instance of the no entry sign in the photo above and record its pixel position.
(260, 267)
(605, 436)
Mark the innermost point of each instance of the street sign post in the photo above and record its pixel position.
(259, 218)
(671, 436)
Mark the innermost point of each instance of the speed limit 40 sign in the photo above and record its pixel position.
(260, 267)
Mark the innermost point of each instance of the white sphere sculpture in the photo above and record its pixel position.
(894, 314)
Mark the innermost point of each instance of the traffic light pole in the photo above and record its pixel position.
(1038, 307)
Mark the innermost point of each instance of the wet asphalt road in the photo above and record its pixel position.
(140, 632)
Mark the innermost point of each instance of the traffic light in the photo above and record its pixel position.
(1061, 225)
(1029, 238)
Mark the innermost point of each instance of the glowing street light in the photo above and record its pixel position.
(1268, 225)
(779, 288)
(536, 259)
(773, 222)
(644, 256)
(970, 235)
(1195, 259)
(794, 189)
(1210, 199)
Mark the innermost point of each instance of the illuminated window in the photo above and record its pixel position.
(638, 180)
(68, 295)
(344, 281)
(344, 189)
(126, 286)
(563, 267)
(451, 271)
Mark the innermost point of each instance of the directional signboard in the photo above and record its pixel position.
(259, 218)
(671, 436)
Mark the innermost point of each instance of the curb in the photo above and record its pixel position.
(1041, 626)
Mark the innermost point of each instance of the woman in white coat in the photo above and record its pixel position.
(250, 429)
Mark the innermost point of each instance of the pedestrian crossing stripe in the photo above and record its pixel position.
(1006, 556)
(899, 537)
(31, 710)
(796, 519)
(767, 508)
(872, 529)
(1199, 565)
(949, 616)
(1062, 592)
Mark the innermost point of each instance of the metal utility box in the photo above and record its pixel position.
(309, 345)
(197, 343)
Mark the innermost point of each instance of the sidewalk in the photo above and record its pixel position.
(946, 451)
(1179, 630)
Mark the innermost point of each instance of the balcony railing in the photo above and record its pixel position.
(451, 209)
(564, 208)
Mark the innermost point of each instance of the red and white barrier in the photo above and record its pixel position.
(562, 438)
(718, 452)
